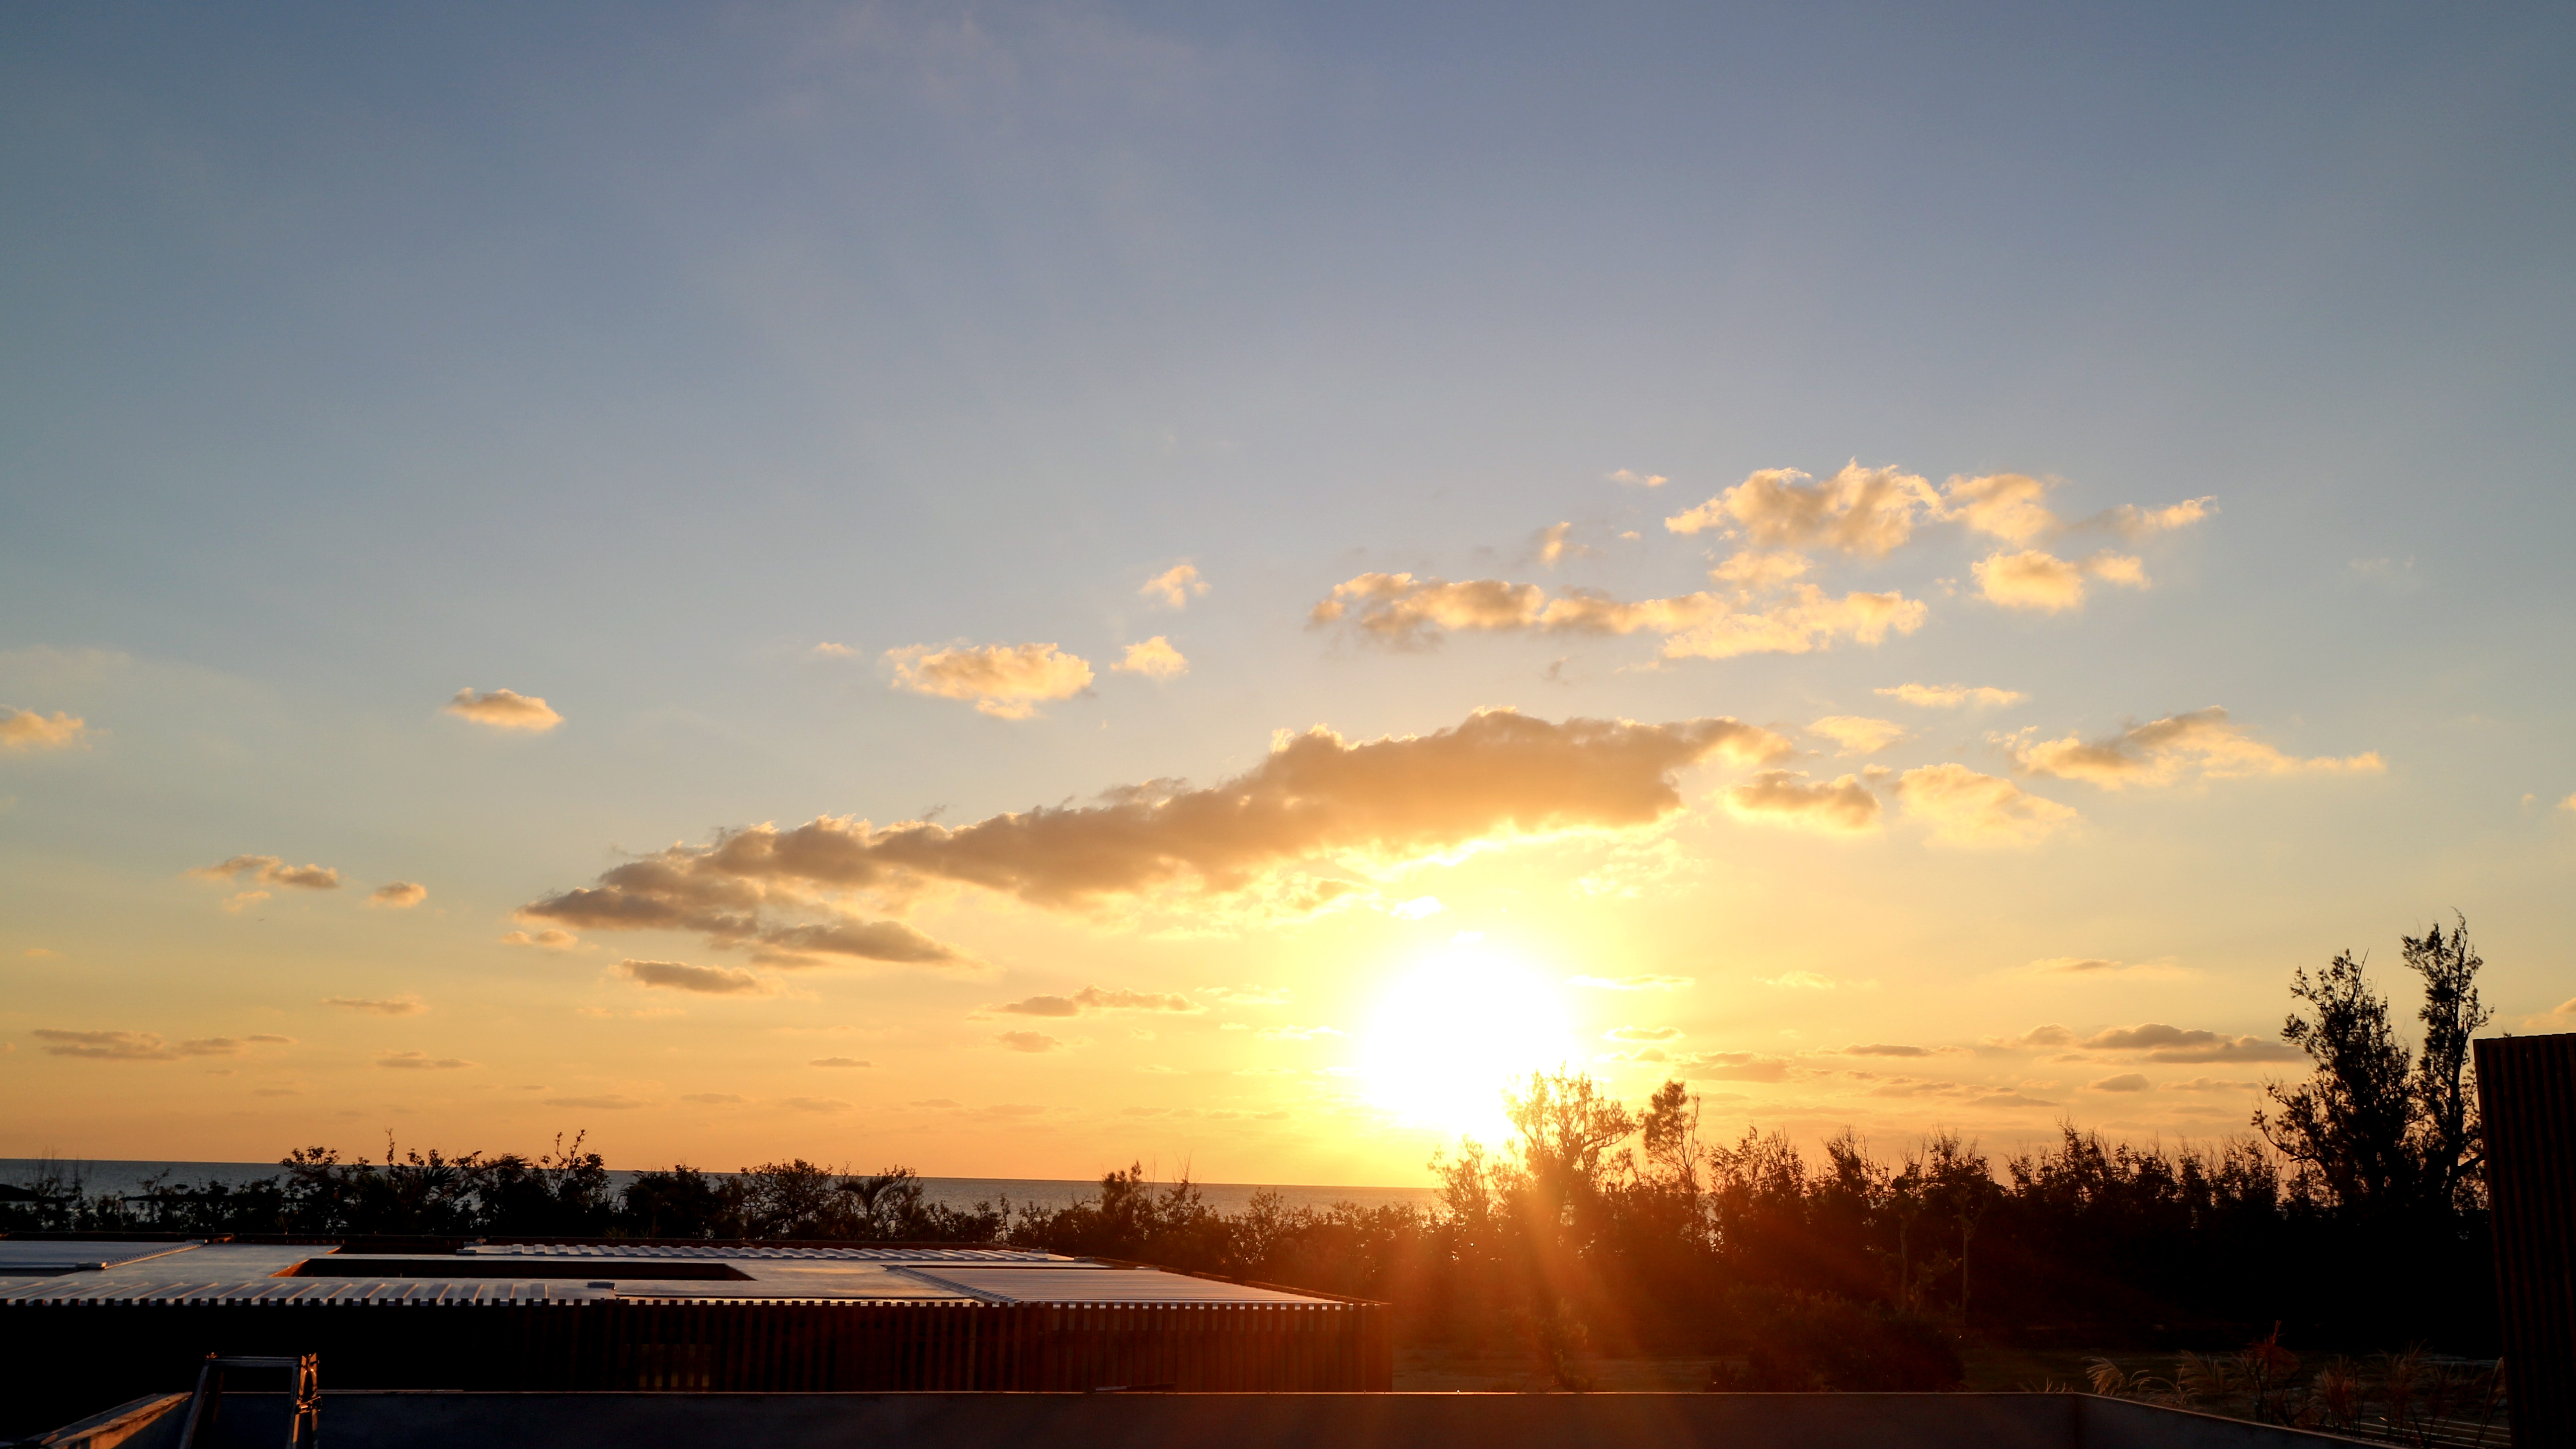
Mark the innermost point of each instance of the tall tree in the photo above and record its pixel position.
(2349, 1122)
(2450, 1144)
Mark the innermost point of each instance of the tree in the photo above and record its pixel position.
(2450, 1142)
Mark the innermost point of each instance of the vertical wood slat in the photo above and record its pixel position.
(2527, 1100)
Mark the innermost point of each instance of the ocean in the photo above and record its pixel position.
(125, 1177)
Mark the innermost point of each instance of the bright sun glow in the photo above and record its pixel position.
(1454, 1032)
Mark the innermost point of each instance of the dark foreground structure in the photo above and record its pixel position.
(88, 1323)
(1195, 1421)
(2527, 1099)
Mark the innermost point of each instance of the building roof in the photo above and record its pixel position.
(36, 1271)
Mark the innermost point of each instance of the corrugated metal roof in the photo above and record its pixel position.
(97, 1288)
(748, 1254)
(1089, 1283)
(42, 1255)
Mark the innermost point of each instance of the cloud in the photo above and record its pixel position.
(2032, 579)
(2011, 1099)
(1863, 511)
(2211, 1084)
(1556, 545)
(1800, 981)
(1631, 983)
(829, 650)
(2125, 1082)
(399, 895)
(419, 1062)
(551, 939)
(707, 980)
(143, 1046)
(1401, 611)
(2006, 505)
(814, 1104)
(1093, 998)
(1642, 1033)
(1966, 808)
(1175, 586)
(838, 1062)
(2037, 1036)
(1734, 1067)
(2131, 521)
(2569, 803)
(2075, 965)
(1885, 1049)
(1784, 797)
(1641, 480)
(243, 899)
(2163, 1043)
(1006, 681)
(405, 1005)
(269, 870)
(1155, 659)
(504, 709)
(712, 1099)
(24, 729)
(2201, 743)
(595, 1104)
(1954, 696)
(1028, 1041)
(1317, 803)
(1858, 734)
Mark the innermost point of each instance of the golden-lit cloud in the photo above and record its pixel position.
(704, 980)
(504, 709)
(2198, 744)
(145, 1046)
(2006, 505)
(1286, 833)
(1864, 511)
(269, 870)
(2032, 579)
(1954, 696)
(2131, 521)
(1555, 543)
(552, 939)
(1966, 808)
(25, 729)
(1636, 479)
(1858, 734)
(1631, 983)
(2074, 965)
(1734, 1067)
(1093, 998)
(378, 1006)
(1642, 1033)
(2162, 1043)
(1175, 586)
(839, 1062)
(2125, 1082)
(829, 650)
(1155, 658)
(1028, 1041)
(1786, 797)
(399, 895)
(243, 900)
(420, 1062)
(1006, 681)
(1404, 612)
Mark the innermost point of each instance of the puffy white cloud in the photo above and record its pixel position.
(399, 895)
(705, 980)
(1258, 837)
(1863, 511)
(1858, 734)
(2006, 505)
(378, 1006)
(2033, 579)
(2200, 743)
(24, 729)
(1964, 807)
(1155, 658)
(1954, 696)
(1785, 797)
(269, 870)
(504, 710)
(1174, 587)
(1006, 681)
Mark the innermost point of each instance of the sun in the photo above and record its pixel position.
(1453, 1033)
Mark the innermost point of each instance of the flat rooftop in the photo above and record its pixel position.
(34, 1271)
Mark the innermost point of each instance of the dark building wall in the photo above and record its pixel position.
(2527, 1096)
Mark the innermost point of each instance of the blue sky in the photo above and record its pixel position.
(621, 356)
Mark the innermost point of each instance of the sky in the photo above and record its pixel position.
(1014, 589)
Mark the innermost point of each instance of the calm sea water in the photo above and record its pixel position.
(958, 1192)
